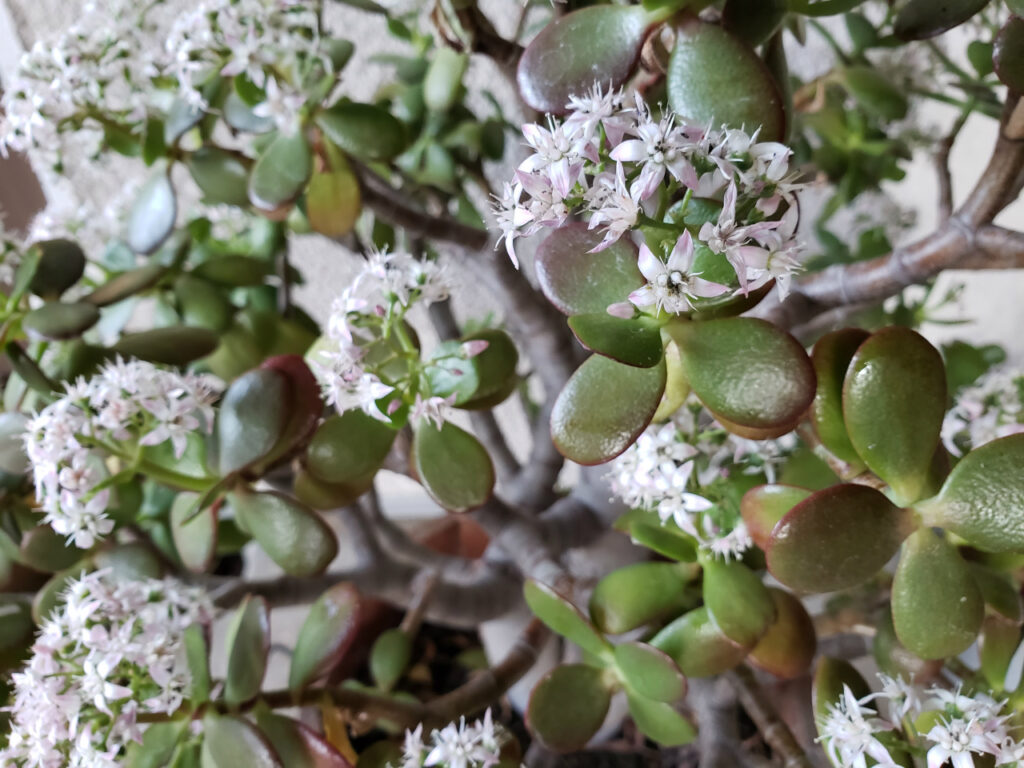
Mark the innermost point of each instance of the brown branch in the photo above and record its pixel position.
(941, 160)
(775, 732)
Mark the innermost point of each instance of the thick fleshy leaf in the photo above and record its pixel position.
(329, 630)
(57, 321)
(234, 270)
(677, 388)
(997, 643)
(894, 400)
(132, 561)
(61, 265)
(241, 116)
(1008, 54)
(197, 653)
(875, 92)
(603, 409)
(893, 658)
(982, 500)
(319, 494)
(222, 176)
(176, 345)
(831, 358)
(195, 539)
(333, 199)
(738, 602)
(202, 304)
(577, 281)
(442, 83)
(281, 172)
(450, 373)
(159, 743)
(837, 538)
(999, 590)
(251, 418)
(664, 540)
(247, 643)
(29, 371)
(638, 594)
(296, 745)
(764, 506)
(633, 342)
(698, 646)
(234, 742)
(13, 460)
(567, 706)
(389, 657)
(661, 722)
(452, 465)
(16, 630)
(363, 130)
(714, 75)
(45, 550)
(495, 369)
(787, 648)
(154, 212)
(592, 44)
(564, 618)
(126, 284)
(746, 370)
(937, 608)
(827, 689)
(650, 672)
(920, 19)
(293, 535)
(348, 447)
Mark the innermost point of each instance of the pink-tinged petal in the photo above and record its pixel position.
(533, 133)
(474, 347)
(614, 133)
(590, 151)
(510, 249)
(751, 256)
(631, 151)
(650, 265)
(643, 297)
(688, 176)
(707, 231)
(533, 183)
(694, 503)
(706, 289)
(624, 310)
(394, 405)
(729, 204)
(559, 175)
(647, 182)
(769, 205)
(681, 257)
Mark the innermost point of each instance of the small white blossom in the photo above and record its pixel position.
(461, 745)
(988, 409)
(671, 286)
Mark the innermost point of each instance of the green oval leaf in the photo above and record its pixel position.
(592, 44)
(61, 265)
(892, 657)
(12, 447)
(296, 745)
(293, 535)
(197, 653)
(333, 199)
(746, 370)
(997, 643)
(348, 447)
(495, 369)
(450, 373)
(713, 75)
(16, 631)
(133, 561)
(154, 212)
(329, 630)
(195, 535)
(787, 648)
(247, 643)
(603, 409)
(1008, 54)
(920, 19)
(894, 401)
(737, 602)
(577, 281)
(831, 359)
(126, 284)
(753, 21)
(837, 538)
(764, 506)
(233, 742)
(57, 321)
(698, 646)
(389, 658)
(251, 419)
(176, 345)
(937, 608)
(452, 465)
(564, 618)
(567, 707)
(234, 270)
(660, 722)
(202, 304)
(827, 688)
(363, 130)
(281, 172)
(875, 92)
(638, 594)
(634, 342)
(443, 80)
(222, 176)
(650, 672)
(45, 550)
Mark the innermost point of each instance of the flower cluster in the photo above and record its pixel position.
(476, 745)
(113, 651)
(124, 61)
(989, 409)
(127, 406)
(965, 727)
(617, 164)
(679, 470)
(372, 306)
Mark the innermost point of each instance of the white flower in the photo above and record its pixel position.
(433, 409)
(988, 409)
(670, 285)
(558, 154)
(660, 147)
(473, 745)
(955, 740)
(849, 734)
(599, 109)
(613, 207)
(346, 385)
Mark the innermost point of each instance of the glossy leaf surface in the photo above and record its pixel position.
(564, 618)
(453, 466)
(567, 706)
(328, 632)
(293, 535)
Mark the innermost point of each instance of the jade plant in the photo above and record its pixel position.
(622, 289)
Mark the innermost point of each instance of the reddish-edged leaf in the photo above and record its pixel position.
(325, 637)
(698, 645)
(567, 706)
(831, 358)
(787, 648)
(764, 506)
(247, 643)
